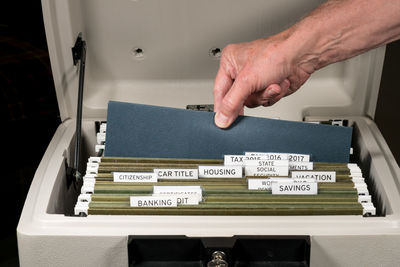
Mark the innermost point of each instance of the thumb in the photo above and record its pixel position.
(233, 102)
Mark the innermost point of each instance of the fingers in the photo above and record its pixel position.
(241, 112)
(284, 86)
(222, 84)
(263, 97)
(232, 103)
(272, 94)
(298, 79)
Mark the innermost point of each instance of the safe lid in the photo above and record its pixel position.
(166, 53)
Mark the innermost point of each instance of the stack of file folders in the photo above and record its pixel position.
(256, 183)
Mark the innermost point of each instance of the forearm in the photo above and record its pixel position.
(340, 29)
(263, 71)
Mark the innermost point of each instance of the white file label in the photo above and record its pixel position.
(260, 184)
(135, 177)
(266, 163)
(281, 156)
(266, 171)
(220, 171)
(179, 190)
(301, 166)
(233, 160)
(268, 156)
(299, 157)
(153, 201)
(265, 183)
(319, 176)
(294, 188)
(176, 173)
(304, 180)
(183, 199)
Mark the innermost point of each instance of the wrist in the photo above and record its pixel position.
(338, 30)
(309, 48)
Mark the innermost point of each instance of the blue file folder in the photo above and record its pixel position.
(136, 130)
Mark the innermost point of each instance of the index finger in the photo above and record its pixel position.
(233, 101)
(223, 82)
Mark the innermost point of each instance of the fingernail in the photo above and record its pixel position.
(221, 120)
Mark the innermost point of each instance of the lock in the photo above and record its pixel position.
(218, 259)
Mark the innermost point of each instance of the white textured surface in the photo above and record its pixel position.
(176, 69)
(40, 222)
(176, 36)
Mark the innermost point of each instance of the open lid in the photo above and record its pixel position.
(166, 53)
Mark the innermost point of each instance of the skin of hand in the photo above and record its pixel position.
(256, 73)
(263, 71)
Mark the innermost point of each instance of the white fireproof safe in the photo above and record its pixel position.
(166, 53)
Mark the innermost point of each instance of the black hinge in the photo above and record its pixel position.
(77, 49)
(78, 55)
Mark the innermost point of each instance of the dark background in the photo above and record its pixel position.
(29, 111)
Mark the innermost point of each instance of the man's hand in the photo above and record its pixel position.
(263, 71)
(256, 73)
